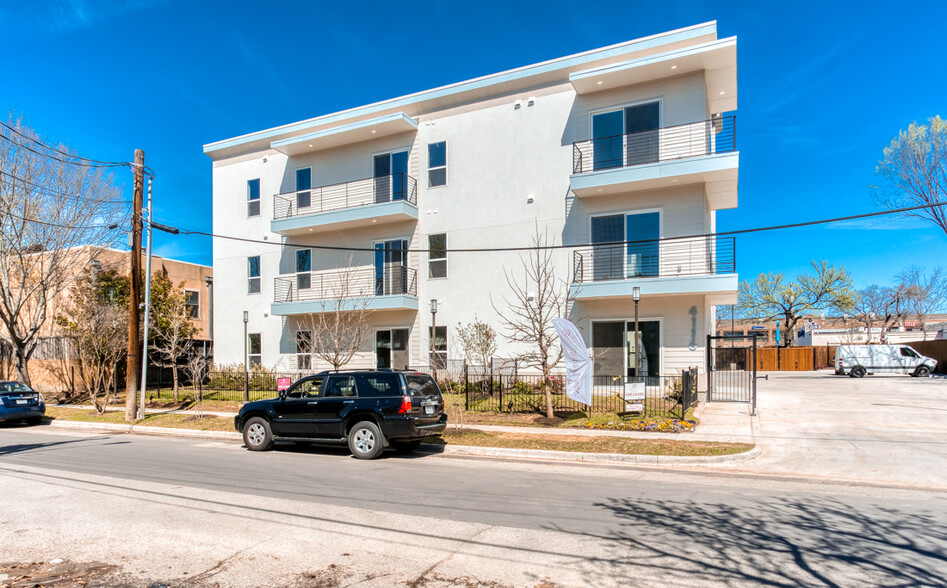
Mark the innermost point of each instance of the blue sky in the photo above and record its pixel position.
(823, 87)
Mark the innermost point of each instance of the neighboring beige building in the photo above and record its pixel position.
(51, 365)
(631, 142)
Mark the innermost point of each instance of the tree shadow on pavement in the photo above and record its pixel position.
(24, 447)
(784, 542)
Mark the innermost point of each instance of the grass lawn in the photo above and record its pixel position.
(599, 444)
(591, 444)
(174, 421)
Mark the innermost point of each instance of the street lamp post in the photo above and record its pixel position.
(433, 335)
(636, 294)
(246, 356)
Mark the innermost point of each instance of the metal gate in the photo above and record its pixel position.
(731, 368)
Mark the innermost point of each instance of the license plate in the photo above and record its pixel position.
(428, 410)
(22, 401)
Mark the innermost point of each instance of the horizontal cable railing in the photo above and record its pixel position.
(690, 256)
(365, 192)
(356, 282)
(717, 135)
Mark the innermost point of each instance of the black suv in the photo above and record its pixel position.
(370, 410)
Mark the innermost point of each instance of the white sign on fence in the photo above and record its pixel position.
(634, 407)
(634, 391)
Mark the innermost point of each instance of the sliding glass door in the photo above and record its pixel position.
(390, 261)
(620, 260)
(629, 136)
(390, 172)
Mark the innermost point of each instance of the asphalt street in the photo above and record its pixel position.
(566, 524)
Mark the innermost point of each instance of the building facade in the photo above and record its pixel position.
(622, 154)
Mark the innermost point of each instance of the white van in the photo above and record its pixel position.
(858, 360)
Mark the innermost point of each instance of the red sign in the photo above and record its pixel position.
(282, 384)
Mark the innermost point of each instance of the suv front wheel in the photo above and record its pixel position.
(365, 440)
(257, 435)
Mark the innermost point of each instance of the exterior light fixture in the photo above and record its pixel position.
(433, 305)
(600, 82)
(636, 293)
(673, 67)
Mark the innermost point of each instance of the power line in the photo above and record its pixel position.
(92, 162)
(176, 231)
(110, 226)
(50, 192)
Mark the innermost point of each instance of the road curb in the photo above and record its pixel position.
(441, 449)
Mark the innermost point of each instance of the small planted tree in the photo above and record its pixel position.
(538, 295)
(337, 333)
(478, 341)
(197, 367)
(173, 330)
(97, 326)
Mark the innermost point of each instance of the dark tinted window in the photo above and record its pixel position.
(339, 386)
(422, 385)
(378, 384)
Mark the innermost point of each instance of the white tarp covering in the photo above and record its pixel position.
(578, 362)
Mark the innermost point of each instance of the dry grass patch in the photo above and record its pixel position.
(599, 444)
(174, 421)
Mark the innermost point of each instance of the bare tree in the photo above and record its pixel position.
(173, 333)
(870, 306)
(50, 203)
(538, 296)
(97, 328)
(478, 341)
(770, 296)
(924, 293)
(337, 333)
(914, 166)
(197, 367)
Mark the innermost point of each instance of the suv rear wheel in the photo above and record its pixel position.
(365, 440)
(257, 435)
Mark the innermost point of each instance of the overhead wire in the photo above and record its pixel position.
(180, 231)
(54, 193)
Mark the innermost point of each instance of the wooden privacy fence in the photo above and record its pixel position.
(771, 359)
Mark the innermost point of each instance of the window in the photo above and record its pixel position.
(379, 385)
(192, 304)
(303, 267)
(303, 184)
(303, 350)
(339, 386)
(908, 352)
(254, 350)
(437, 256)
(306, 388)
(439, 360)
(437, 164)
(253, 274)
(253, 197)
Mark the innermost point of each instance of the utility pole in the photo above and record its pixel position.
(144, 344)
(132, 365)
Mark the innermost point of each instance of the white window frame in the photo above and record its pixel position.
(444, 259)
(250, 354)
(446, 165)
(624, 269)
(306, 355)
(258, 200)
(375, 332)
(371, 171)
(187, 306)
(258, 278)
(296, 187)
(624, 340)
(296, 271)
(432, 334)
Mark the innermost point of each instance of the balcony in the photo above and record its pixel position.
(699, 152)
(381, 288)
(360, 203)
(691, 265)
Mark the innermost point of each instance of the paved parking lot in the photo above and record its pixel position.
(882, 428)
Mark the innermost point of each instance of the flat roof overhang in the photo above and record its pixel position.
(375, 303)
(365, 130)
(722, 287)
(717, 59)
(718, 172)
(346, 218)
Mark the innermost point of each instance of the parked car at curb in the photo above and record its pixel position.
(368, 410)
(19, 402)
(858, 360)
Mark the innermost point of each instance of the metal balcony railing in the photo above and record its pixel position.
(717, 135)
(365, 192)
(691, 256)
(356, 282)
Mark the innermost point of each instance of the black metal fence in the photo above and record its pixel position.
(665, 396)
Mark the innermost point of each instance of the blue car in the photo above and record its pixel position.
(19, 402)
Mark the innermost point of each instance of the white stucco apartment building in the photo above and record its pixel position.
(632, 142)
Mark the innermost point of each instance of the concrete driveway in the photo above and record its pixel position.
(883, 428)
